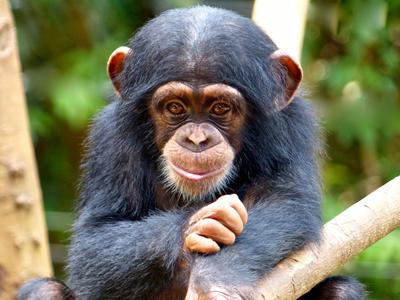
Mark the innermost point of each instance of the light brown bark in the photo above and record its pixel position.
(284, 21)
(23, 239)
(345, 236)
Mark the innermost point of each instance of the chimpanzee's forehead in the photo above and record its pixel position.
(194, 29)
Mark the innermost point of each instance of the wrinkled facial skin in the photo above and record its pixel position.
(198, 131)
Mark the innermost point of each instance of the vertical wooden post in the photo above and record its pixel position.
(24, 251)
(284, 21)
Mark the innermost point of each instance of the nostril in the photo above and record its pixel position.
(189, 141)
(203, 145)
(198, 138)
(194, 144)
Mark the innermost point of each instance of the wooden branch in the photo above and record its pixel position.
(24, 251)
(345, 236)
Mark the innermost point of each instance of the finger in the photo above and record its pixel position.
(201, 244)
(238, 205)
(228, 216)
(214, 230)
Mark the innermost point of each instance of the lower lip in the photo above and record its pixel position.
(193, 176)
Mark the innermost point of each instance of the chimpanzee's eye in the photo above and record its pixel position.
(175, 108)
(220, 109)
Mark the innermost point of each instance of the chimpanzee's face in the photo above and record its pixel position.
(198, 132)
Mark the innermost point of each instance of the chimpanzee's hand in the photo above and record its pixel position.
(219, 222)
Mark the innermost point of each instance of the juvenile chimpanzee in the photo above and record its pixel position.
(201, 175)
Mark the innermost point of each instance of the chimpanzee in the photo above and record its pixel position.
(201, 174)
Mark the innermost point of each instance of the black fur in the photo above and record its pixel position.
(125, 245)
(338, 288)
(45, 288)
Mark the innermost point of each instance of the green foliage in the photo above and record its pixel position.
(81, 89)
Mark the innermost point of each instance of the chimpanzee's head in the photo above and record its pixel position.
(207, 72)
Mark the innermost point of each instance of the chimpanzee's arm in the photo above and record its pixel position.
(285, 220)
(149, 254)
(125, 259)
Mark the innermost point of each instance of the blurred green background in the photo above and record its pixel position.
(351, 60)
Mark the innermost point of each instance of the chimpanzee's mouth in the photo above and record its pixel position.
(196, 174)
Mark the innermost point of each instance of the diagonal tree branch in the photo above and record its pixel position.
(343, 237)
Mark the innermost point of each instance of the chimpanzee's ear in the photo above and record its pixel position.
(115, 65)
(293, 74)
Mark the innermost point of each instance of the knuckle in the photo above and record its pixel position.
(190, 241)
(210, 210)
(219, 211)
(234, 197)
(189, 238)
(222, 207)
(204, 226)
(237, 201)
(209, 227)
(228, 198)
(223, 198)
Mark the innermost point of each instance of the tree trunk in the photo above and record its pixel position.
(24, 249)
(284, 21)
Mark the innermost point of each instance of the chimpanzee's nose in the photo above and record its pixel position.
(198, 137)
